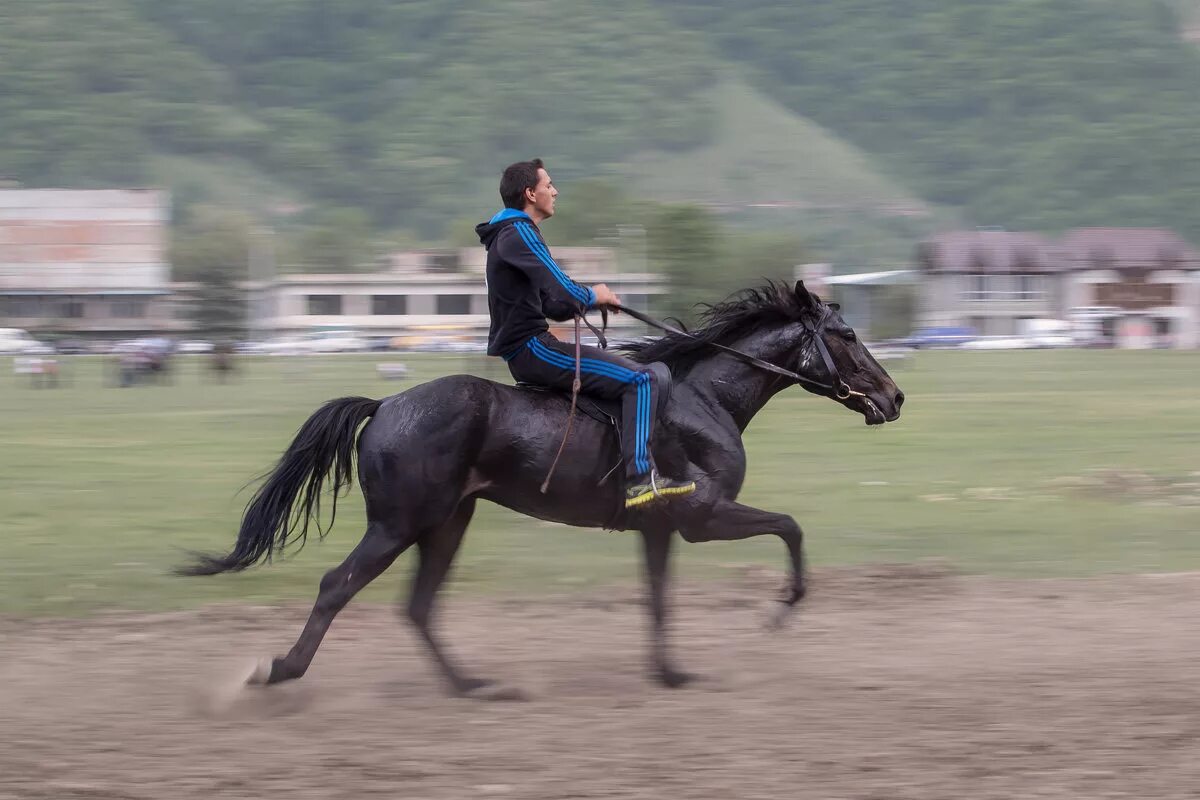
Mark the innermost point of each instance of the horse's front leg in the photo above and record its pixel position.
(728, 521)
(656, 544)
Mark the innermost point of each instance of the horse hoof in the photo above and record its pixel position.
(779, 617)
(260, 675)
(674, 679)
(229, 696)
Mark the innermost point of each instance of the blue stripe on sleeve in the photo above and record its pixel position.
(539, 249)
(585, 296)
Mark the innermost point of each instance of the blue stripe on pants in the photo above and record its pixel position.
(642, 460)
(641, 381)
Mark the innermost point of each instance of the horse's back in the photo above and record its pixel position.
(439, 404)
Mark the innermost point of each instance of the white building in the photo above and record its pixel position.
(86, 261)
(94, 263)
(428, 290)
(1142, 284)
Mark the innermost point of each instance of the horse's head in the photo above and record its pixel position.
(783, 328)
(831, 354)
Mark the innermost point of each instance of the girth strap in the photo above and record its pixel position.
(575, 386)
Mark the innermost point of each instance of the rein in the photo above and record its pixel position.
(575, 385)
(839, 389)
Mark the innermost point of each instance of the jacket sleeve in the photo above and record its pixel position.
(521, 247)
(558, 310)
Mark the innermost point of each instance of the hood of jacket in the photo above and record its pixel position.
(487, 231)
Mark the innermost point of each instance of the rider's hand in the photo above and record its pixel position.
(606, 296)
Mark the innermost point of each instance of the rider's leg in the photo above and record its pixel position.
(550, 362)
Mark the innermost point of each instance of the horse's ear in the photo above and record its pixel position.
(806, 298)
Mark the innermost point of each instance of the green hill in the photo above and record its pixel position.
(863, 115)
(1026, 113)
(767, 167)
(762, 154)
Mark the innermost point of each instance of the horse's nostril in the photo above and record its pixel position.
(899, 399)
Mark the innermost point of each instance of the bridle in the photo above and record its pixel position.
(838, 389)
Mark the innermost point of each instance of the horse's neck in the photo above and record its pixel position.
(738, 388)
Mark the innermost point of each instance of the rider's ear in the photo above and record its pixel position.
(806, 298)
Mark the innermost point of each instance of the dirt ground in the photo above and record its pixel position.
(891, 682)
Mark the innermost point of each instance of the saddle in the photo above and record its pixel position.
(606, 412)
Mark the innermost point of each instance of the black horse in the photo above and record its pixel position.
(429, 453)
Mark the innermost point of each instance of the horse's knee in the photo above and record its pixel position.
(333, 595)
(695, 531)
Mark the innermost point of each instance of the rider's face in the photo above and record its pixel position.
(541, 197)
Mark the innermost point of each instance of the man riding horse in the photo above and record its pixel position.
(525, 287)
(424, 457)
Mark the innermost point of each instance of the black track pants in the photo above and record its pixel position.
(546, 361)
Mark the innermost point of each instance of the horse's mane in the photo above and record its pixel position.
(740, 314)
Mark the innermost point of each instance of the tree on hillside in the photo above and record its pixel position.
(1025, 113)
(683, 244)
(336, 240)
(212, 250)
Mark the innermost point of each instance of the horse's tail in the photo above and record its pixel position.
(282, 508)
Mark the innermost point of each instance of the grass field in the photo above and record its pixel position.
(1020, 463)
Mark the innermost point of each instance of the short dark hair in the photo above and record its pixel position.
(516, 179)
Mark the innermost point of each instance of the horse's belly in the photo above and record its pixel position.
(566, 501)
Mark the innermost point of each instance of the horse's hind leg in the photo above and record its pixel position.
(656, 544)
(436, 553)
(375, 553)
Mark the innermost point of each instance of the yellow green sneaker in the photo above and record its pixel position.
(655, 488)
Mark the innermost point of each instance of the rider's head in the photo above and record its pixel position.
(526, 186)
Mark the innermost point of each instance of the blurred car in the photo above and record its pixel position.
(16, 341)
(71, 347)
(377, 344)
(279, 346)
(1043, 332)
(998, 343)
(939, 337)
(1054, 340)
(195, 347)
(343, 341)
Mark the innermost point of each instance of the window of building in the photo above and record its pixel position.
(70, 308)
(27, 306)
(1029, 287)
(977, 287)
(1004, 287)
(129, 308)
(454, 304)
(443, 262)
(389, 304)
(324, 305)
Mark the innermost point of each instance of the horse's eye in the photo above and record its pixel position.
(850, 337)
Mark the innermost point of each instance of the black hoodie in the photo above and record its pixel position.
(525, 286)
